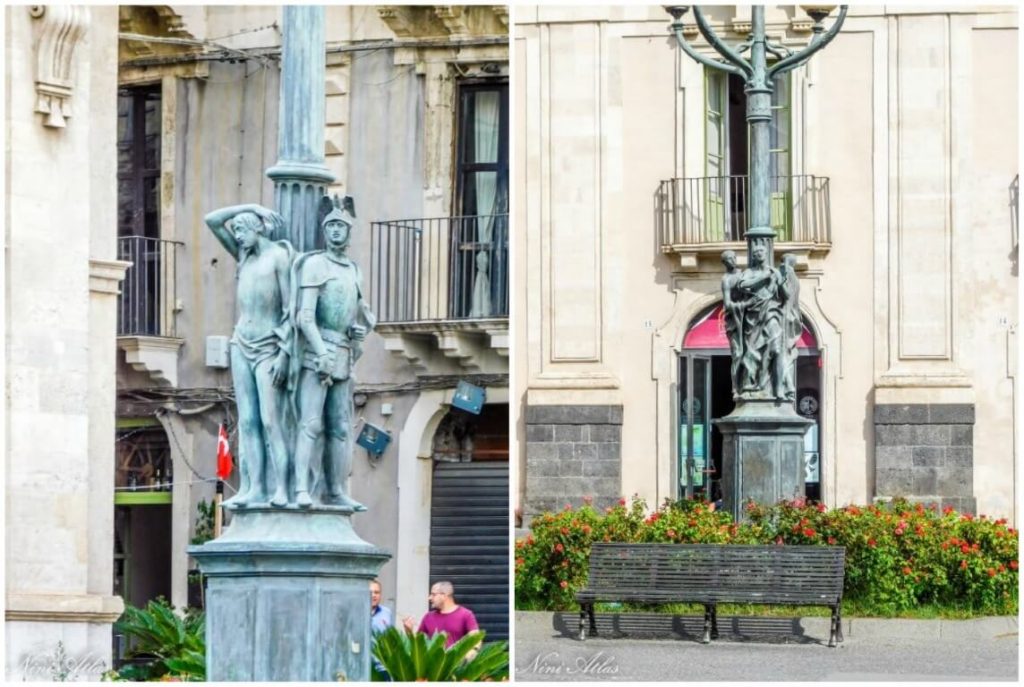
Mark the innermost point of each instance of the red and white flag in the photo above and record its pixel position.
(224, 461)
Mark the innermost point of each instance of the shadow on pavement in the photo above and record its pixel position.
(666, 626)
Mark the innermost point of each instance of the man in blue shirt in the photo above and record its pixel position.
(380, 616)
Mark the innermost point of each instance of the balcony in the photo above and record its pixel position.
(147, 305)
(699, 217)
(439, 287)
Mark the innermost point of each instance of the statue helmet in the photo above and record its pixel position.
(341, 209)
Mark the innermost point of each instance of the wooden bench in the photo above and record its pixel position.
(710, 574)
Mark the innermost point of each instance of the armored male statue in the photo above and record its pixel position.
(332, 319)
(259, 347)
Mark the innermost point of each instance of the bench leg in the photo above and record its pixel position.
(714, 622)
(839, 622)
(706, 639)
(834, 629)
(593, 621)
(583, 623)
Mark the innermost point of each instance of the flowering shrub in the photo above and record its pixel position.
(898, 556)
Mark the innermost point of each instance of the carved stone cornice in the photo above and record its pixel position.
(63, 608)
(501, 12)
(105, 276)
(59, 29)
(453, 19)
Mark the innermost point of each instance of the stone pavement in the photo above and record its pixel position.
(653, 647)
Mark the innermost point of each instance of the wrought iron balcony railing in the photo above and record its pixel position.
(148, 293)
(703, 210)
(443, 268)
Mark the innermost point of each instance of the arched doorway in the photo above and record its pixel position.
(705, 394)
(469, 513)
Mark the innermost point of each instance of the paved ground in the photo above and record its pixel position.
(650, 647)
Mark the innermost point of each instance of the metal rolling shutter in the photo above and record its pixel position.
(469, 539)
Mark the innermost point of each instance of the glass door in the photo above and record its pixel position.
(694, 464)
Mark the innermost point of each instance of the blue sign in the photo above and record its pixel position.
(373, 438)
(469, 397)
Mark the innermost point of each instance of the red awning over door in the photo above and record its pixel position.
(709, 332)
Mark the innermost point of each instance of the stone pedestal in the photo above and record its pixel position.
(762, 454)
(287, 597)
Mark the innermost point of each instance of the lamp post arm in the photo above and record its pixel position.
(724, 50)
(796, 59)
(677, 29)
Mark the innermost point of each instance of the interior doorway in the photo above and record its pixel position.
(705, 394)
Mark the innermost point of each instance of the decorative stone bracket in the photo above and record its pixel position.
(449, 347)
(154, 355)
(60, 29)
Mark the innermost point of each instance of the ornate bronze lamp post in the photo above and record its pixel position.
(762, 450)
(758, 77)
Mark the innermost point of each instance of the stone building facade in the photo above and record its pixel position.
(894, 172)
(62, 279)
(128, 124)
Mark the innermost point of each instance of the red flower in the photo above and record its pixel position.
(872, 543)
(831, 541)
(907, 570)
(899, 532)
(965, 549)
(520, 561)
(565, 530)
(693, 523)
(563, 584)
(671, 533)
(963, 564)
(1013, 565)
(559, 548)
(919, 530)
(778, 541)
(529, 539)
(947, 510)
(1002, 568)
(821, 508)
(991, 572)
(586, 529)
(622, 502)
(809, 532)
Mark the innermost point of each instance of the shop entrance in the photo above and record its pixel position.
(705, 394)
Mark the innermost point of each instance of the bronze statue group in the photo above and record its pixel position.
(302, 319)
(762, 322)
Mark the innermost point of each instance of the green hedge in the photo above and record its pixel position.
(898, 556)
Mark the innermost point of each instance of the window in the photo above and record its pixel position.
(726, 161)
(479, 269)
(138, 161)
(138, 210)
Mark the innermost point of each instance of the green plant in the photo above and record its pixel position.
(412, 657)
(169, 644)
(899, 556)
(204, 522)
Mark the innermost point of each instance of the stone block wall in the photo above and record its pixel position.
(925, 452)
(572, 452)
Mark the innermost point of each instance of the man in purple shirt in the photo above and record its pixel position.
(445, 616)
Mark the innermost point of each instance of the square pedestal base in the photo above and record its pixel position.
(762, 455)
(280, 609)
